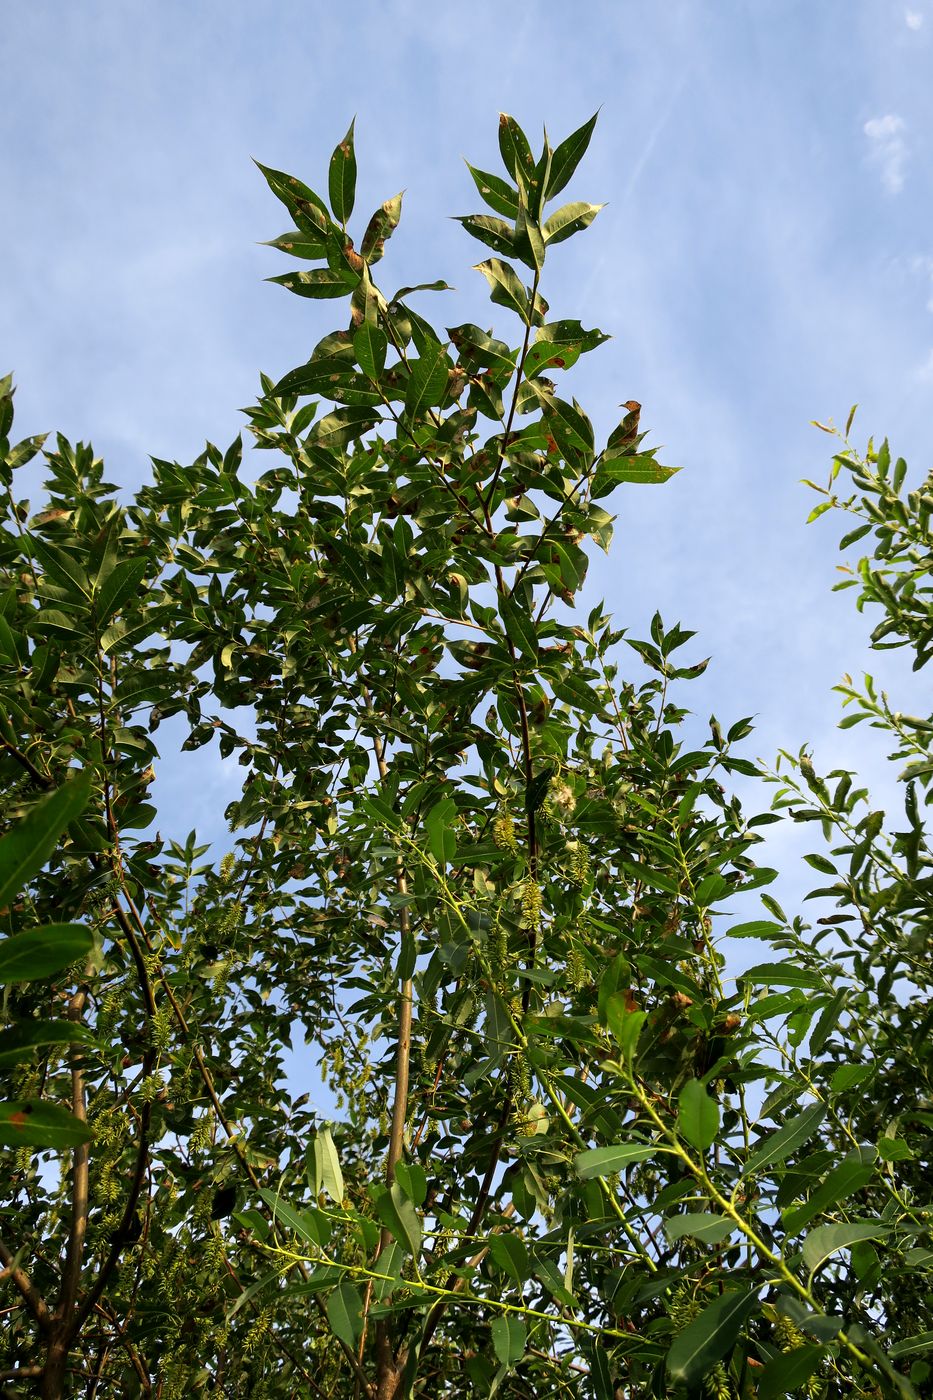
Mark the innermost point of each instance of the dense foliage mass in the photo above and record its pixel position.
(552, 1145)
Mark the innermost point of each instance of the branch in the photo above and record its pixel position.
(26, 1288)
(40, 779)
(74, 1251)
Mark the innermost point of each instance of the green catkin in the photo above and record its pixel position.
(160, 1030)
(683, 1306)
(717, 1384)
(576, 970)
(579, 864)
(258, 1332)
(498, 953)
(503, 833)
(200, 1138)
(227, 866)
(531, 903)
(789, 1337)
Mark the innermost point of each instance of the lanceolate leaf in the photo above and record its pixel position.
(380, 227)
(567, 157)
(497, 193)
(319, 282)
(121, 584)
(788, 1138)
(345, 1313)
(786, 1373)
(41, 952)
(25, 849)
(637, 470)
(515, 151)
(508, 1338)
(568, 220)
(31, 1123)
(427, 386)
(505, 287)
(605, 1161)
(21, 1041)
(697, 1115)
(495, 233)
(342, 178)
(826, 1240)
(707, 1339)
(370, 345)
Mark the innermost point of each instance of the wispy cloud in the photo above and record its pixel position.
(913, 19)
(923, 266)
(924, 372)
(887, 149)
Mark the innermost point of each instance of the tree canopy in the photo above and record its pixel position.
(552, 1142)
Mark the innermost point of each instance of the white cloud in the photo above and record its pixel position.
(913, 19)
(888, 149)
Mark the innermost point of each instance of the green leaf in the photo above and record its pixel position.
(605, 1161)
(697, 1115)
(25, 849)
(390, 1263)
(341, 179)
(601, 1374)
(755, 928)
(495, 192)
(529, 242)
(440, 825)
(299, 244)
(508, 1252)
(495, 233)
(345, 1314)
(700, 1226)
(369, 346)
(567, 157)
(506, 288)
(59, 566)
(305, 1224)
(707, 1339)
(793, 1134)
(427, 385)
(413, 1181)
(559, 344)
(923, 1341)
(399, 1216)
(120, 584)
(327, 1173)
(318, 282)
(32, 1123)
(825, 1240)
(337, 429)
(19, 1042)
(788, 1372)
(519, 625)
(571, 429)
(783, 975)
(41, 952)
(508, 1338)
(625, 1025)
(635, 469)
(515, 151)
(852, 1174)
(305, 207)
(380, 227)
(568, 220)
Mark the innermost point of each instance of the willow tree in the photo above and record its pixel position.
(546, 1142)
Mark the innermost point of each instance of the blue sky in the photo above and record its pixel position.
(765, 258)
